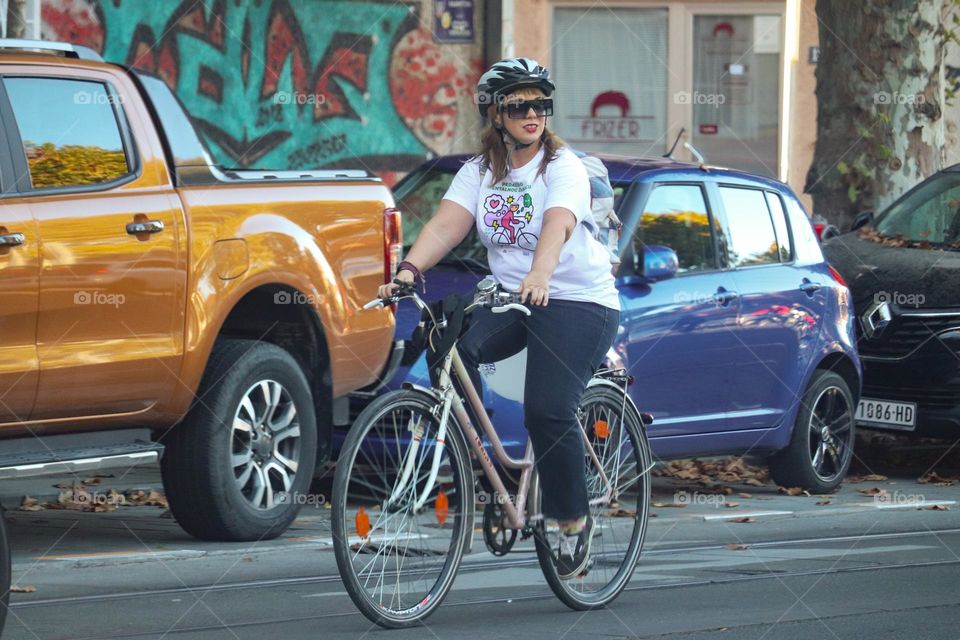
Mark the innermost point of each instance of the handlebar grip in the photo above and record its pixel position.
(512, 305)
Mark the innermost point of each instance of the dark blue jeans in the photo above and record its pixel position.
(566, 342)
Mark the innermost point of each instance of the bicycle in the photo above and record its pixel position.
(403, 494)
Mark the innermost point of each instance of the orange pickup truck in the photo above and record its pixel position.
(154, 306)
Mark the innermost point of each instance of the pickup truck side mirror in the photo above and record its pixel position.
(863, 218)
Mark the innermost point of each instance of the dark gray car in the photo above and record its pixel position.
(903, 269)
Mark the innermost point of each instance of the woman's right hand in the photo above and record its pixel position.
(403, 276)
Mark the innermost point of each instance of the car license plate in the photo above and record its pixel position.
(889, 415)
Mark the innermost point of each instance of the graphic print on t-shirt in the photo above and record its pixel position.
(508, 213)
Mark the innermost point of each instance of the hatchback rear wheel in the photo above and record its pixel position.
(821, 446)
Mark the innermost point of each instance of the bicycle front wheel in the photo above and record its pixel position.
(402, 508)
(619, 506)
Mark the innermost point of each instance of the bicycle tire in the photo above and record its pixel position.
(348, 478)
(610, 397)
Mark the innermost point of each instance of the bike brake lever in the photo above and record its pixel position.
(512, 305)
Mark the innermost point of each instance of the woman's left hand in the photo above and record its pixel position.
(536, 288)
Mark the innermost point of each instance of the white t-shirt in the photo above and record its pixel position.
(509, 216)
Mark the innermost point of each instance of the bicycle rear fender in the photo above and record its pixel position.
(644, 418)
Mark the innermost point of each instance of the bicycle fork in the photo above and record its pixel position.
(410, 458)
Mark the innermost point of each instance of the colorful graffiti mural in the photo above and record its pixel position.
(280, 84)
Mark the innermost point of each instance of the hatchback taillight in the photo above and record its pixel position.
(836, 276)
(392, 243)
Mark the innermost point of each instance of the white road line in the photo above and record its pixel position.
(755, 514)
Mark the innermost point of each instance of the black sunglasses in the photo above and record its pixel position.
(519, 110)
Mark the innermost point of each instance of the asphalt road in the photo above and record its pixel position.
(858, 567)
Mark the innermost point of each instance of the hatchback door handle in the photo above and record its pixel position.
(148, 226)
(724, 297)
(11, 240)
(809, 287)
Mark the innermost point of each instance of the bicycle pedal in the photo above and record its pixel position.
(586, 569)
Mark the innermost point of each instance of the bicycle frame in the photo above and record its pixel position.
(451, 401)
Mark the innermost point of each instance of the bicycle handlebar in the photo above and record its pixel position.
(487, 294)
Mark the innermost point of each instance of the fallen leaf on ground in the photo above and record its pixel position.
(753, 482)
(744, 519)
(736, 547)
(92, 480)
(670, 505)
(26, 589)
(731, 505)
(873, 491)
(870, 477)
(31, 504)
(743, 494)
(139, 497)
(622, 513)
(793, 491)
(934, 507)
(821, 502)
(934, 478)
(707, 472)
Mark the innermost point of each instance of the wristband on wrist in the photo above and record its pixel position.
(417, 276)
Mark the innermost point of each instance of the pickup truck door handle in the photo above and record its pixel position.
(809, 287)
(11, 240)
(724, 297)
(148, 226)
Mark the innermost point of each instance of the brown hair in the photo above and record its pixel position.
(493, 151)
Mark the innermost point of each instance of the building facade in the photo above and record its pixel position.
(290, 84)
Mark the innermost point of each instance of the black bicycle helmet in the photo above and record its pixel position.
(506, 76)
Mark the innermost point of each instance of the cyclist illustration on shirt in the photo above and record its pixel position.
(507, 216)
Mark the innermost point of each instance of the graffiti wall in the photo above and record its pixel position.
(294, 84)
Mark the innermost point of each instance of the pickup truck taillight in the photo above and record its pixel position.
(392, 243)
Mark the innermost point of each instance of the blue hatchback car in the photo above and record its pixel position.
(738, 334)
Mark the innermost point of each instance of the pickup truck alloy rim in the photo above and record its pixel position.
(831, 426)
(266, 444)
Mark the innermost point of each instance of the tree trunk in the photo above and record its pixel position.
(880, 93)
(16, 18)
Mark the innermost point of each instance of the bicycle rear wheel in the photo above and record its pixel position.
(618, 439)
(398, 561)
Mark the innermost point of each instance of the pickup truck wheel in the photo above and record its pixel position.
(237, 465)
(821, 446)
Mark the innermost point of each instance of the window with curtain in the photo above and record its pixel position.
(610, 67)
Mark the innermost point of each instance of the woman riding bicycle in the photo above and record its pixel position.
(529, 197)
